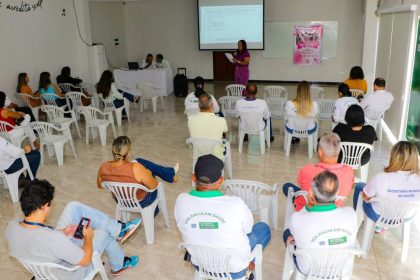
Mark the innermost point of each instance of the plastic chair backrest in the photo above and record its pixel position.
(148, 90)
(76, 98)
(53, 112)
(276, 106)
(300, 125)
(275, 91)
(90, 113)
(373, 115)
(203, 146)
(356, 92)
(328, 263)
(393, 213)
(4, 126)
(45, 131)
(352, 153)
(326, 108)
(250, 122)
(65, 87)
(50, 98)
(125, 193)
(44, 271)
(248, 191)
(25, 98)
(108, 103)
(234, 90)
(228, 105)
(213, 262)
(317, 92)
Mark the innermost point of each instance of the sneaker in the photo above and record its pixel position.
(127, 229)
(272, 139)
(379, 230)
(295, 140)
(129, 262)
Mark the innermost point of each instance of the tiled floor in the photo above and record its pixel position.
(161, 138)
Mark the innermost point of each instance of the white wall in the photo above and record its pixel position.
(40, 40)
(170, 27)
(107, 23)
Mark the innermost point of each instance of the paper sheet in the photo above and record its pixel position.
(229, 56)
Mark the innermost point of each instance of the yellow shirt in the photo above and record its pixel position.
(357, 84)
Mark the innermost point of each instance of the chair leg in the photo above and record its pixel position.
(274, 210)
(118, 116)
(228, 160)
(367, 237)
(154, 104)
(406, 240)
(162, 204)
(257, 252)
(364, 172)
(264, 213)
(12, 183)
(359, 210)
(87, 134)
(58, 148)
(72, 148)
(288, 266)
(288, 143)
(262, 142)
(310, 146)
(127, 108)
(149, 223)
(102, 134)
(241, 140)
(197, 275)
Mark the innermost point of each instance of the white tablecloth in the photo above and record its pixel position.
(160, 78)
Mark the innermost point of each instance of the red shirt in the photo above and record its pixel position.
(8, 120)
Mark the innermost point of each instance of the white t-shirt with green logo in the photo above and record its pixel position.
(323, 226)
(213, 219)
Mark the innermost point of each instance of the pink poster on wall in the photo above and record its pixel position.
(307, 41)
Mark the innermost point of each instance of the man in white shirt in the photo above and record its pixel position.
(206, 124)
(207, 217)
(191, 101)
(148, 62)
(379, 100)
(252, 104)
(161, 63)
(322, 225)
(10, 160)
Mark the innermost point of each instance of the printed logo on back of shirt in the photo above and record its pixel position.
(208, 225)
(337, 241)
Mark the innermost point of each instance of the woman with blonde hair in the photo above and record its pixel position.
(400, 181)
(301, 106)
(139, 171)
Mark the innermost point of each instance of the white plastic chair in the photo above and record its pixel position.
(26, 98)
(228, 106)
(109, 107)
(331, 264)
(374, 118)
(149, 92)
(393, 214)
(203, 146)
(127, 202)
(289, 208)
(66, 87)
(76, 99)
(10, 181)
(44, 271)
(356, 93)
(317, 93)
(326, 109)
(249, 124)
(50, 98)
(54, 142)
(261, 198)
(276, 106)
(213, 262)
(55, 116)
(93, 123)
(15, 138)
(275, 91)
(352, 156)
(301, 127)
(235, 90)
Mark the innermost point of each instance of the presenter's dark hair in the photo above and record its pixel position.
(380, 82)
(104, 84)
(21, 81)
(356, 73)
(65, 71)
(35, 194)
(160, 56)
(244, 45)
(44, 80)
(344, 89)
(2, 99)
(355, 116)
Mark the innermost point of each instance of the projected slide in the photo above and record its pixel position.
(221, 26)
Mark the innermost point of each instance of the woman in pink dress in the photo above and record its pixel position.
(241, 60)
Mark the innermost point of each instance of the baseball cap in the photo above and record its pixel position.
(208, 169)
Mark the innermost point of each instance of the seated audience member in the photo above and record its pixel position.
(328, 151)
(106, 86)
(356, 79)
(379, 100)
(356, 131)
(12, 117)
(206, 124)
(23, 87)
(148, 62)
(46, 87)
(344, 101)
(139, 171)
(191, 101)
(321, 225)
(31, 239)
(161, 63)
(10, 160)
(252, 104)
(231, 221)
(66, 78)
(14, 107)
(400, 181)
(301, 106)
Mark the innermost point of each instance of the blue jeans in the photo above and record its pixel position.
(260, 234)
(165, 173)
(60, 102)
(34, 158)
(367, 207)
(106, 231)
(290, 185)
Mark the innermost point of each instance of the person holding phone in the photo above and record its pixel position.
(32, 239)
(241, 60)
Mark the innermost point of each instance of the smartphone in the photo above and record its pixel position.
(84, 222)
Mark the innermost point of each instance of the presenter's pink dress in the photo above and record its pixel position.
(242, 71)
